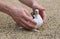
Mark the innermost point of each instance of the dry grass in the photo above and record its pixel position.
(50, 30)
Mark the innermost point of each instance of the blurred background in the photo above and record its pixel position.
(49, 30)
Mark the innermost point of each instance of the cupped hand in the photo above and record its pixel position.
(23, 18)
(41, 11)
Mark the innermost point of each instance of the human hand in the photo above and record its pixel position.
(34, 5)
(41, 10)
(23, 18)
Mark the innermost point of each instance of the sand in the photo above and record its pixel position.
(49, 30)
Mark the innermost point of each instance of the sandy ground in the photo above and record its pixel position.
(50, 30)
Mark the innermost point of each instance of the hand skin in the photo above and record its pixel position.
(21, 16)
(34, 5)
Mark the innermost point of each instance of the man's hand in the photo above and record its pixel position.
(41, 10)
(20, 16)
(34, 5)
(23, 18)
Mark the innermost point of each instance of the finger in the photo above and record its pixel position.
(41, 8)
(23, 24)
(28, 14)
(27, 24)
(43, 15)
(20, 22)
(29, 19)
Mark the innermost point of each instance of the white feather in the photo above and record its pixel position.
(38, 20)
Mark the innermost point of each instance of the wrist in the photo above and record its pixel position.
(6, 8)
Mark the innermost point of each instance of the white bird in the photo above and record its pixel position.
(38, 19)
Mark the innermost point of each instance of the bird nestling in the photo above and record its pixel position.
(37, 18)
